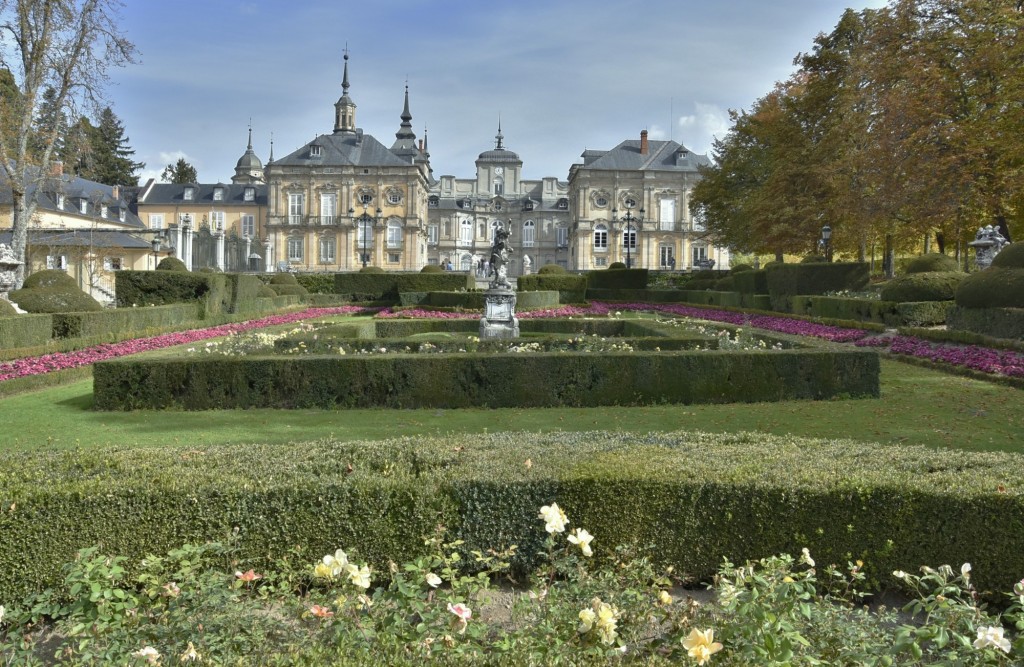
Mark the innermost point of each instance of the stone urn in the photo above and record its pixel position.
(8, 270)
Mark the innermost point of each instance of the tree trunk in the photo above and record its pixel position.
(940, 240)
(21, 212)
(778, 256)
(889, 262)
(862, 250)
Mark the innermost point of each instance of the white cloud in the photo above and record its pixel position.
(700, 128)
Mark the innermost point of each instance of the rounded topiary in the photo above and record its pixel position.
(927, 286)
(933, 261)
(6, 309)
(283, 279)
(284, 289)
(740, 268)
(47, 300)
(50, 279)
(1010, 257)
(813, 259)
(265, 291)
(725, 284)
(430, 268)
(700, 284)
(617, 265)
(549, 269)
(992, 288)
(171, 264)
(772, 263)
(371, 269)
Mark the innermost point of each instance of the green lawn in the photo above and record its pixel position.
(918, 406)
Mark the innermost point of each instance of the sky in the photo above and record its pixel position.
(561, 76)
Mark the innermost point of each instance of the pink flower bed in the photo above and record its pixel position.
(59, 361)
(987, 360)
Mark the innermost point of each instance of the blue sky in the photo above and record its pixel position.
(564, 76)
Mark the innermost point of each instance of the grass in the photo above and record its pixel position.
(918, 406)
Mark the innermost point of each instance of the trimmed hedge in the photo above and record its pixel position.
(751, 282)
(995, 322)
(158, 288)
(551, 269)
(786, 281)
(571, 288)
(317, 283)
(617, 279)
(284, 289)
(911, 313)
(171, 264)
(926, 286)
(25, 330)
(107, 322)
(690, 498)
(1010, 257)
(50, 279)
(7, 309)
(474, 380)
(387, 286)
(475, 300)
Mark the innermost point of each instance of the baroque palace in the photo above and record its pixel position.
(345, 200)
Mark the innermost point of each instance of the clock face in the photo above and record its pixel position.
(499, 170)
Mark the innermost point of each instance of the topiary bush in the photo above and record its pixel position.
(371, 269)
(265, 291)
(48, 300)
(926, 286)
(432, 268)
(283, 279)
(286, 289)
(50, 279)
(6, 309)
(171, 264)
(725, 284)
(616, 265)
(740, 268)
(1010, 257)
(549, 269)
(992, 288)
(933, 261)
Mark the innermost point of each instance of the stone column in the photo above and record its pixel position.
(220, 251)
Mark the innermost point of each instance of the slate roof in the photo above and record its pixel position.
(661, 156)
(343, 149)
(81, 238)
(174, 194)
(75, 189)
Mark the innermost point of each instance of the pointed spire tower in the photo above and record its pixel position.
(249, 168)
(344, 108)
(405, 139)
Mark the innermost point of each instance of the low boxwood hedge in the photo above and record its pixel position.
(751, 282)
(686, 499)
(158, 288)
(571, 288)
(475, 380)
(994, 322)
(617, 279)
(386, 286)
(786, 281)
(923, 286)
(25, 330)
(933, 261)
(108, 322)
(994, 287)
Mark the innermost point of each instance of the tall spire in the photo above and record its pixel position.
(344, 108)
(249, 147)
(499, 137)
(271, 148)
(405, 139)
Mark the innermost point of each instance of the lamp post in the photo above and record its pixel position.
(629, 238)
(366, 225)
(826, 238)
(156, 249)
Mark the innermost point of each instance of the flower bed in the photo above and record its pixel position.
(986, 360)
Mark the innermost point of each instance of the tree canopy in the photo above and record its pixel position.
(179, 172)
(108, 158)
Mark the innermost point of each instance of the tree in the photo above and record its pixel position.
(109, 159)
(66, 45)
(180, 172)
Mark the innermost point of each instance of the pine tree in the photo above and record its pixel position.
(109, 159)
(180, 172)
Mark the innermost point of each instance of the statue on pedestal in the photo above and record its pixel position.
(500, 252)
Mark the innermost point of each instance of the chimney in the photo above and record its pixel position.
(56, 168)
(115, 192)
(644, 147)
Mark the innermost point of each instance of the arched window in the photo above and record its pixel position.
(600, 237)
(529, 230)
(465, 232)
(495, 226)
(394, 234)
(364, 234)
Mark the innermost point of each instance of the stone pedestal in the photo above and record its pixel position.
(499, 320)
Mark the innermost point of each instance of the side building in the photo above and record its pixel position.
(630, 204)
(465, 213)
(345, 200)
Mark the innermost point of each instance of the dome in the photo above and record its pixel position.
(249, 161)
(498, 155)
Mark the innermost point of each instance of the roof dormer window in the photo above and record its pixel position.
(218, 194)
(103, 211)
(60, 202)
(433, 201)
(528, 205)
(120, 214)
(83, 206)
(563, 203)
(314, 150)
(250, 194)
(190, 194)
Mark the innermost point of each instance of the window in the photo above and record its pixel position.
(394, 197)
(499, 186)
(218, 194)
(83, 206)
(314, 150)
(529, 230)
(250, 194)
(190, 194)
(432, 234)
(495, 226)
(104, 211)
(562, 237)
(629, 237)
(629, 202)
(600, 261)
(667, 215)
(698, 222)
(295, 250)
(364, 234)
(366, 198)
(328, 208)
(328, 250)
(667, 256)
(296, 203)
(217, 221)
(497, 206)
(57, 262)
(433, 201)
(120, 214)
(394, 234)
(465, 232)
(60, 202)
(113, 263)
(528, 205)
(248, 226)
(156, 220)
(700, 253)
(601, 202)
(394, 257)
(563, 204)
(600, 238)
